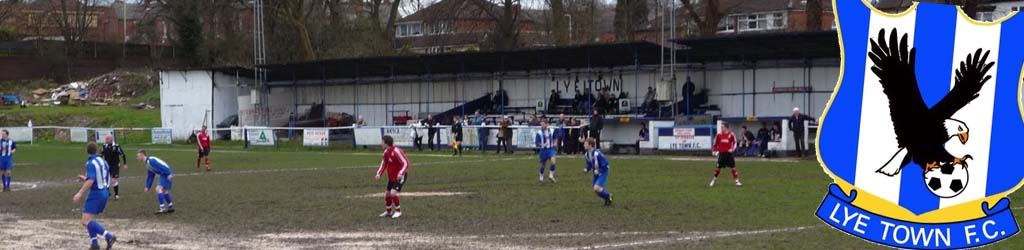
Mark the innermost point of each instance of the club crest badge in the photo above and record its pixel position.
(922, 133)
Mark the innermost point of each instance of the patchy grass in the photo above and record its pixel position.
(325, 199)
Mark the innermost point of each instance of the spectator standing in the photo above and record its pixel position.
(478, 119)
(360, 122)
(560, 134)
(508, 135)
(482, 133)
(597, 124)
(501, 134)
(763, 137)
(688, 89)
(417, 137)
(456, 136)
(796, 125)
(432, 132)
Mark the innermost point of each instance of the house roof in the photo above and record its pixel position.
(462, 10)
(451, 39)
(526, 39)
(133, 11)
(753, 6)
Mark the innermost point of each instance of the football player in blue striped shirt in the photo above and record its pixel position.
(156, 167)
(599, 164)
(544, 140)
(7, 149)
(97, 180)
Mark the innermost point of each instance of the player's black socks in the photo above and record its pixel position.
(117, 190)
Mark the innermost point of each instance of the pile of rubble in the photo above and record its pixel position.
(115, 88)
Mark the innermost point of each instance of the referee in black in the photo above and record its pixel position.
(110, 153)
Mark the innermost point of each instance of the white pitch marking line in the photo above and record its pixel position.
(411, 194)
(258, 171)
(425, 164)
(741, 159)
(696, 236)
(410, 153)
(31, 185)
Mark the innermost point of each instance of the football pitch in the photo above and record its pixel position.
(293, 198)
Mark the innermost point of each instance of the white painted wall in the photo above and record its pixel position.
(225, 102)
(741, 93)
(185, 96)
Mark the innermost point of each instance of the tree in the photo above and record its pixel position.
(75, 18)
(382, 23)
(507, 16)
(559, 26)
(707, 15)
(507, 34)
(814, 14)
(707, 18)
(186, 17)
(207, 32)
(630, 15)
(295, 14)
(8, 8)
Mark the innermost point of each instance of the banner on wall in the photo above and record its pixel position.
(402, 135)
(20, 134)
(101, 133)
(79, 135)
(260, 136)
(369, 136)
(315, 137)
(685, 138)
(524, 137)
(161, 135)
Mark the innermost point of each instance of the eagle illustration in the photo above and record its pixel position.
(921, 131)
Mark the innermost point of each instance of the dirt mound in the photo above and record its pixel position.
(120, 87)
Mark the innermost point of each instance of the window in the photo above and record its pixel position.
(441, 27)
(728, 24)
(415, 29)
(753, 22)
(401, 31)
(778, 20)
(1014, 8)
(435, 50)
(409, 29)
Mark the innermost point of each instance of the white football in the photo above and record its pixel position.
(947, 181)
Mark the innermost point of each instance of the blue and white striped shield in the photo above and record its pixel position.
(922, 132)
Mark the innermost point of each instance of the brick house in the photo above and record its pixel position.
(748, 16)
(457, 25)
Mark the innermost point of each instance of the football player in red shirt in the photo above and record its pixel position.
(724, 146)
(397, 166)
(204, 148)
